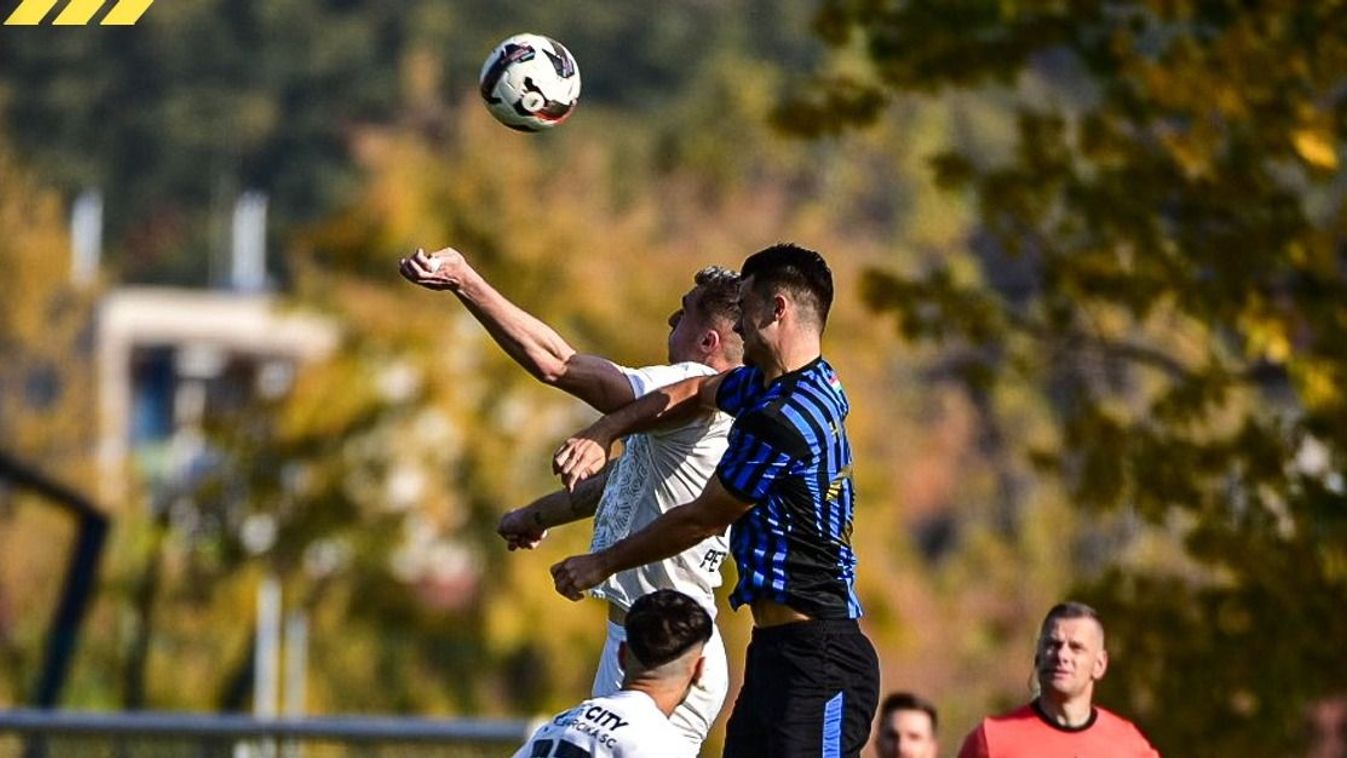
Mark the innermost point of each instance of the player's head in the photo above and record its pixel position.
(784, 278)
(666, 631)
(1070, 656)
(702, 329)
(907, 727)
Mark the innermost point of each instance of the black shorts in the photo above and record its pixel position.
(810, 689)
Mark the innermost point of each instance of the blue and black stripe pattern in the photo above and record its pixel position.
(789, 455)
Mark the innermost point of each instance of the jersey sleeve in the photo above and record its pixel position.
(975, 744)
(647, 379)
(735, 392)
(762, 447)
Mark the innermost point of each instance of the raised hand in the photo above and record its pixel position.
(582, 456)
(440, 270)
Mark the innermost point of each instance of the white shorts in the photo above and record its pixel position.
(695, 715)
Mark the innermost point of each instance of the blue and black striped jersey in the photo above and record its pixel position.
(789, 455)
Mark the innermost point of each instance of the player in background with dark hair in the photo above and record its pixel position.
(811, 681)
(907, 727)
(1062, 722)
(662, 655)
(659, 470)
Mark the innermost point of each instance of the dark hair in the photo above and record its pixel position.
(798, 270)
(718, 296)
(906, 701)
(664, 625)
(1071, 610)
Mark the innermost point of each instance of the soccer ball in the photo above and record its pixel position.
(530, 82)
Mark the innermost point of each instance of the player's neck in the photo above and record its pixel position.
(791, 354)
(666, 697)
(1071, 712)
(719, 363)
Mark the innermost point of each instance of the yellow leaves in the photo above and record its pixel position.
(41, 321)
(326, 400)
(1272, 336)
(1317, 147)
(1334, 561)
(1266, 339)
(1319, 383)
(1192, 156)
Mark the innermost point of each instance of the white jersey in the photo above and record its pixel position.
(659, 470)
(694, 716)
(626, 724)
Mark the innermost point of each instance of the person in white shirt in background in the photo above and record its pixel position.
(662, 656)
(658, 470)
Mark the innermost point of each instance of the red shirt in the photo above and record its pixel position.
(1027, 733)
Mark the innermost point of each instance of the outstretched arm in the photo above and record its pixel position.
(530, 342)
(587, 452)
(527, 526)
(673, 532)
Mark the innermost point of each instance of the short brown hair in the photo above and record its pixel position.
(718, 293)
(1071, 610)
(907, 701)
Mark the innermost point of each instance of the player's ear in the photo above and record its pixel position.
(1100, 665)
(778, 305)
(697, 669)
(622, 654)
(710, 341)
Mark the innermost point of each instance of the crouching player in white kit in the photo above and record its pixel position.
(658, 471)
(666, 631)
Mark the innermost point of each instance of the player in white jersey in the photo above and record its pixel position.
(667, 631)
(658, 470)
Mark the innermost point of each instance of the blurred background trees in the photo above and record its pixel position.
(1109, 236)
(1161, 259)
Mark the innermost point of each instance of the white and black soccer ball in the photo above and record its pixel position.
(530, 82)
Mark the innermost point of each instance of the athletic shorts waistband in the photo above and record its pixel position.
(782, 631)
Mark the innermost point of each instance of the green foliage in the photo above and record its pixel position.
(203, 99)
(383, 469)
(1161, 257)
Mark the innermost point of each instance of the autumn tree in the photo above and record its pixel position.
(45, 401)
(1162, 258)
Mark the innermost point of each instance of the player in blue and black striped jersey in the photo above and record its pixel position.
(811, 682)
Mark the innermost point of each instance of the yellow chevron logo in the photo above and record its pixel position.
(78, 12)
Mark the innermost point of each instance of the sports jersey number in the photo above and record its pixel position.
(563, 749)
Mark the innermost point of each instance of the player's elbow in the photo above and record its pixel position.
(553, 374)
(550, 369)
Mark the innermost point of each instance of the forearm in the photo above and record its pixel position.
(667, 405)
(675, 531)
(562, 507)
(530, 342)
(583, 454)
(670, 534)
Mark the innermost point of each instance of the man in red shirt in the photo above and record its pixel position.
(1062, 722)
